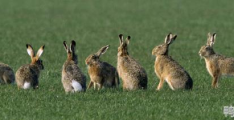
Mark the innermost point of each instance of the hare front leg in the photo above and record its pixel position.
(160, 85)
(215, 81)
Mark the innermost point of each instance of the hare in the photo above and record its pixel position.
(28, 75)
(217, 65)
(72, 78)
(101, 73)
(168, 69)
(6, 74)
(130, 71)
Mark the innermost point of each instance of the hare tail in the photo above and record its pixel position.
(76, 85)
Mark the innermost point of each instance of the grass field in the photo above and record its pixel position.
(96, 23)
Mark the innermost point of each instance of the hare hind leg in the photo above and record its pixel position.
(168, 80)
(90, 84)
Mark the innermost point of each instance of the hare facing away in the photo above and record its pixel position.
(72, 78)
(7, 75)
(101, 73)
(217, 65)
(168, 69)
(28, 75)
(130, 71)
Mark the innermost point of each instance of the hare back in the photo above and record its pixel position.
(6, 74)
(110, 75)
(170, 70)
(108, 70)
(73, 72)
(103, 73)
(28, 73)
(227, 66)
(130, 66)
(5, 68)
(132, 74)
(220, 65)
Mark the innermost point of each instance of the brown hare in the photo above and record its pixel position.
(130, 71)
(28, 75)
(6, 74)
(217, 65)
(72, 78)
(168, 69)
(101, 73)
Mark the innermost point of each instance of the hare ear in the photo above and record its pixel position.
(212, 39)
(128, 39)
(65, 45)
(102, 50)
(30, 50)
(121, 38)
(73, 45)
(168, 38)
(174, 37)
(208, 39)
(40, 51)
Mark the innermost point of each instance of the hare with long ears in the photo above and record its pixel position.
(168, 69)
(217, 65)
(7, 75)
(101, 73)
(28, 75)
(130, 71)
(72, 78)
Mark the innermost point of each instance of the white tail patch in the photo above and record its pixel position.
(76, 85)
(26, 85)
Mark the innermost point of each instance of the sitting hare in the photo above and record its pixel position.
(168, 69)
(130, 71)
(217, 65)
(28, 75)
(101, 73)
(6, 74)
(72, 78)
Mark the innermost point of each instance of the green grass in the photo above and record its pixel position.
(96, 23)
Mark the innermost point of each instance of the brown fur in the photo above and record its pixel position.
(168, 69)
(6, 74)
(71, 71)
(30, 72)
(217, 65)
(101, 73)
(130, 71)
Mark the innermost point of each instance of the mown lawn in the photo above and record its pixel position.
(93, 24)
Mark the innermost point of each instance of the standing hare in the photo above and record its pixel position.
(6, 74)
(130, 71)
(101, 73)
(217, 65)
(72, 78)
(28, 75)
(168, 69)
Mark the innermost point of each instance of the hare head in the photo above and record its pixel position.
(71, 55)
(91, 59)
(123, 47)
(163, 48)
(207, 50)
(35, 58)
